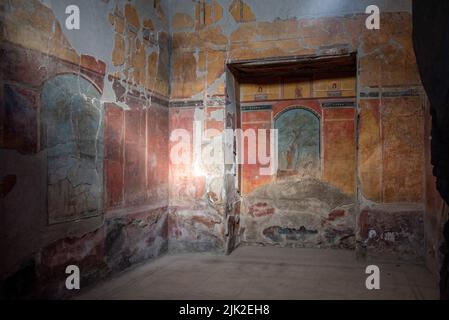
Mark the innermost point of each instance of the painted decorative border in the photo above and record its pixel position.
(256, 108)
(413, 92)
(186, 104)
(338, 104)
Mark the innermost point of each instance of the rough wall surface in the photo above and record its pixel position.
(316, 140)
(289, 213)
(156, 54)
(84, 141)
(390, 127)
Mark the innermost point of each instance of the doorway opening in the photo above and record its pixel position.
(310, 199)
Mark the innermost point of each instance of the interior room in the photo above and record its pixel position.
(224, 149)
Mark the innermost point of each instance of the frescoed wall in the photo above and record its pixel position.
(318, 86)
(310, 200)
(158, 66)
(83, 141)
(299, 143)
(72, 134)
(316, 133)
(389, 180)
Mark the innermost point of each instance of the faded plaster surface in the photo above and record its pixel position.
(143, 55)
(96, 36)
(389, 161)
(75, 189)
(285, 9)
(302, 213)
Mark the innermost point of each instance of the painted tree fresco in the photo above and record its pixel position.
(73, 137)
(299, 143)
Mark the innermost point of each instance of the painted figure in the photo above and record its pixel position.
(299, 142)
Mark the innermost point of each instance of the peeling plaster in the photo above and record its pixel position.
(95, 25)
(293, 9)
(201, 225)
(300, 9)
